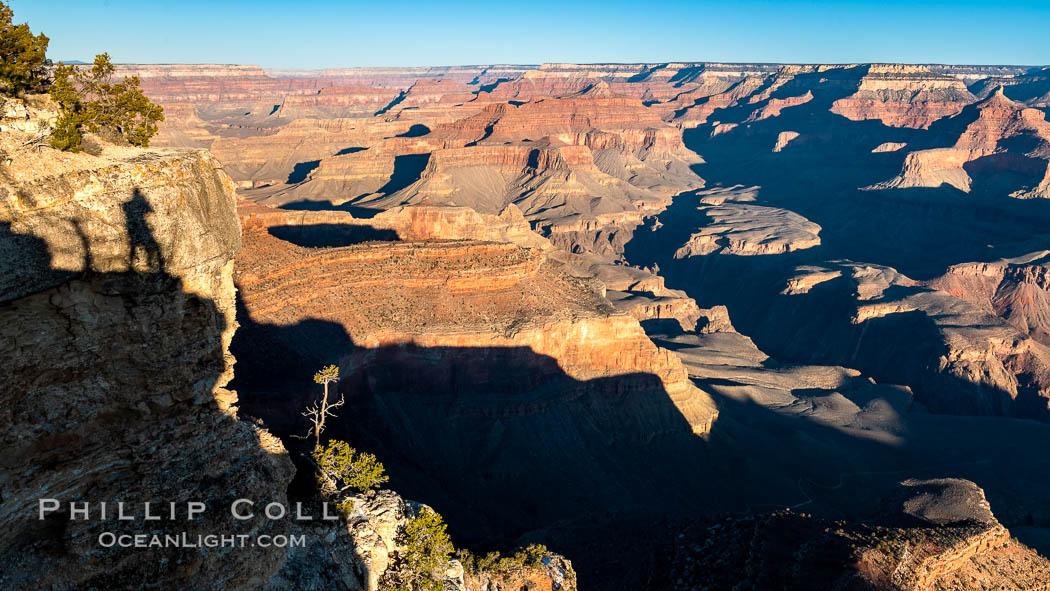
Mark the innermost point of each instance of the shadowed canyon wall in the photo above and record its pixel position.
(117, 331)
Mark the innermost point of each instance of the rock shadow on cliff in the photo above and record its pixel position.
(332, 235)
(510, 449)
(113, 392)
(500, 440)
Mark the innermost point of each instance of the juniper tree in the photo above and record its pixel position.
(427, 548)
(341, 468)
(23, 56)
(90, 100)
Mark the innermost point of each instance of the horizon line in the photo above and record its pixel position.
(524, 65)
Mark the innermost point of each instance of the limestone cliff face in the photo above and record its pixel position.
(905, 96)
(117, 309)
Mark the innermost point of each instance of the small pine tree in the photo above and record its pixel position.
(341, 468)
(322, 409)
(23, 56)
(90, 100)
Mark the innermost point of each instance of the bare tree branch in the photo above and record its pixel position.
(320, 411)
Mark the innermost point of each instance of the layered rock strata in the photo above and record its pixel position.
(748, 230)
(477, 260)
(1014, 289)
(905, 96)
(476, 346)
(982, 159)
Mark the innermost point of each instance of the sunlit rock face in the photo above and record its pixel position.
(905, 96)
(1015, 289)
(1005, 148)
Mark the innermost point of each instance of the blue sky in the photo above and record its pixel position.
(327, 33)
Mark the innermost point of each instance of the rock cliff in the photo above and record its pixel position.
(1004, 150)
(469, 279)
(1015, 289)
(956, 357)
(583, 168)
(118, 307)
(905, 96)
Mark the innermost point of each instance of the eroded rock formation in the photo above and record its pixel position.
(744, 229)
(1015, 289)
(952, 542)
(116, 331)
(905, 96)
(1006, 150)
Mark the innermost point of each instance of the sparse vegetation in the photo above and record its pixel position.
(345, 507)
(24, 63)
(427, 550)
(496, 565)
(91, 101)
(322, 409)
(341, 468)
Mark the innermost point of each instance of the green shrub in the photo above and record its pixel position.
(66, 134)
(495, 565)
(345, 507)
(90, 100)
(341, 468)
(24, 63)
(427, 550)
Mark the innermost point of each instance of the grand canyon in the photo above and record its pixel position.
(687, 325)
